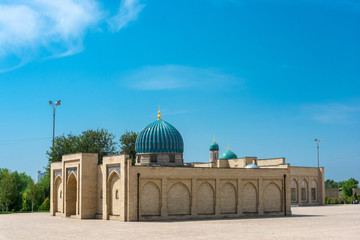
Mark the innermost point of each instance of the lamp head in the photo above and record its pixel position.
(50, 102)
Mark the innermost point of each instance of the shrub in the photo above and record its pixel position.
(45, 206)
(334, 201)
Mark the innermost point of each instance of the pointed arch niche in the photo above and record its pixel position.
(113, 193)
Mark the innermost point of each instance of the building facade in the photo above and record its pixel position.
(160, 186)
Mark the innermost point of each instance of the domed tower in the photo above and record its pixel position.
(228, 154)
(159, 143)
(214, 153)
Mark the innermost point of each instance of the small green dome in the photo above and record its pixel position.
(214, 145)
(228, 155)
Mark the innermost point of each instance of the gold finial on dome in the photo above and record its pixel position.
(228, 147)
(159, 115)
(214, 139)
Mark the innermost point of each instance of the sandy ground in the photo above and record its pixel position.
(324, 222)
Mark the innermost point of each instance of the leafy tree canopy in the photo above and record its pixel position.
(7, 190)
(348, 186)
(12, 186)
(33, 192)
(91, 141)
(127, 144)
(329, 183)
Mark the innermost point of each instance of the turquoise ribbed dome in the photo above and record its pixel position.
(159, 137)
(228, 155)
(214, 146)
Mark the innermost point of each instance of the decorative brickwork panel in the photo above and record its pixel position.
(228, 198)
(57, 173)
(111, 169)
(179, 200)
(150, 200)
(71, 170)
(272, 198)
(205, 199)
(249, 198)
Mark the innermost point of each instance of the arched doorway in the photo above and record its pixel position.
(71, 195)
(304, 191)
(114, 194)
(294, 191)
(314, 197)
(58, 203)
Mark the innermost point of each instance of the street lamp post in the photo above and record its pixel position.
(54, 105)
(317, 145)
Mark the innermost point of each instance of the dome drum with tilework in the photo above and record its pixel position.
(159, 143)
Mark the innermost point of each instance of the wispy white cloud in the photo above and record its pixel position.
(57, 25)
(128, 11)
(166, 77)
(53, 28)
(334, 113)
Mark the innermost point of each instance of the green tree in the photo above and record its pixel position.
(25, 202)
(33, 194)
(127, 144)
(45, 206)
(329, 183)
(98, 141)
(8, 194)
(348, 186)
(44, 185)
(21, 180)
(63, 145)
(91, 141)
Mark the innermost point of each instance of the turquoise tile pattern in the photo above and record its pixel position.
(159, 137)
(214, 146)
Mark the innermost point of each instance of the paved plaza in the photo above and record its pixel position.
(320, 222)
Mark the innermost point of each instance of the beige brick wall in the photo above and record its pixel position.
(74, 191)
(117, 190)
(184, 193)
(332, 193)
(303, 181)
(270, 162)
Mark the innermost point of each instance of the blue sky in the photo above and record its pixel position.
(264, 77)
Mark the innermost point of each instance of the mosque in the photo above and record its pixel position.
(161, 186)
